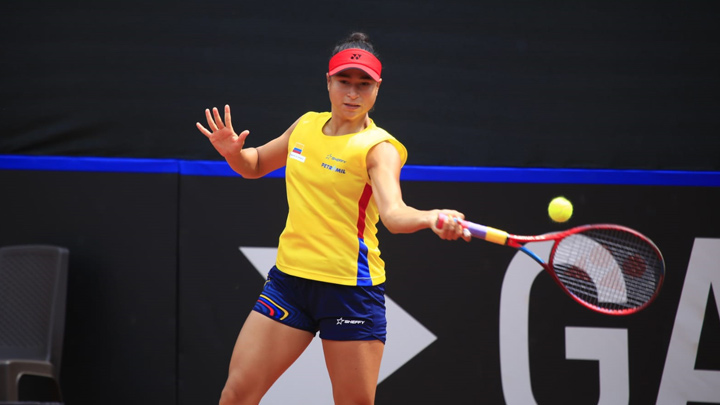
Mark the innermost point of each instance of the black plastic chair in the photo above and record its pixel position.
(33, 288)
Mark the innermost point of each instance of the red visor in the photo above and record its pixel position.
(357, 59)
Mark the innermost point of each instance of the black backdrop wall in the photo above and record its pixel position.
(158, 289)
(121, 320)
(518, 84)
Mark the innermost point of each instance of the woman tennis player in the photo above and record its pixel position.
(342, 175)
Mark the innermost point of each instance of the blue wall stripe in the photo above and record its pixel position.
(564, 176)
(215, 168)
(87, 164)
(409, 173)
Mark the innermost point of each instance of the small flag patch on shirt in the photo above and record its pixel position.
(296, 152)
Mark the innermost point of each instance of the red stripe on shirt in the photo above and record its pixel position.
(362, 206)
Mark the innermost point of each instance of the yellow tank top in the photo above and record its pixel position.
(330, 233)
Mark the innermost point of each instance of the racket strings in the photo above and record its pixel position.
(609, 268)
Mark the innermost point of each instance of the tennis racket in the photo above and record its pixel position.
(608, 268)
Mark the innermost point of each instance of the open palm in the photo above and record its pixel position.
(221, 134)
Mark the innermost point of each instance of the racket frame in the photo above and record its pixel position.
(518, 242)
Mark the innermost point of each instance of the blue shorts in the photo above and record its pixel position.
(339, 312)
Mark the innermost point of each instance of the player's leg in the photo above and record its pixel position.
(264, 349)
(354, 367)
(353, 328)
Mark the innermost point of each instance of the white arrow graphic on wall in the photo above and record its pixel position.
(307, 381)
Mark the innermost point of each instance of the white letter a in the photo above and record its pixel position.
(681, 382)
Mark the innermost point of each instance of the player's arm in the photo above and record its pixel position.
(250, 163)
(383, 162)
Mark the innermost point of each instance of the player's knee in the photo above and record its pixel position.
(239, 391)
(353, 398)
(354, 401)
(229, 396)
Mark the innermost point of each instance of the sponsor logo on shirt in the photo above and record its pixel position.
(333, 164)
(334, 159)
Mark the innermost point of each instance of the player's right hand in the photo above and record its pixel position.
(221, 134)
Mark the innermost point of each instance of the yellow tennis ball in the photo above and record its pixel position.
(560, 209)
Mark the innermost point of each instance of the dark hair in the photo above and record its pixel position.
(358, 40)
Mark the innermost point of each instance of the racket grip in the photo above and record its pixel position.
(479, 231)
